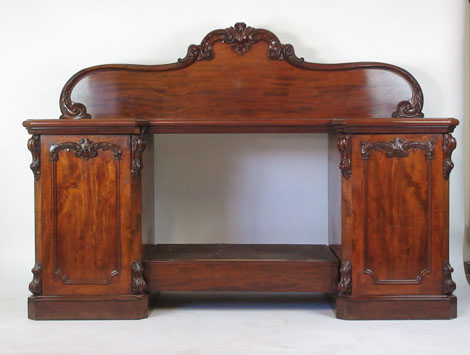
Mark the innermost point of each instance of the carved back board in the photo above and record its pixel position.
(238, 73)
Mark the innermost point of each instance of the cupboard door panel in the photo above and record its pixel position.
(89, 239)
(398, 188)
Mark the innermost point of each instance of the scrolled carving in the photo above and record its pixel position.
(35, 286)
(85, 149)
(413, 107)
(345, 279)
(399, 148)
(448, 285)
(138, 283)
(449, 144)
(69, 108)
(345, 151)
(137, 150)
(34, 146)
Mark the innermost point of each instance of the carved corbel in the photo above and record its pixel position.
(345, 151)
(35, 285)
(449, 143)
(345, 279)
(34, 146)
(138, 283)
(448, 285)
(137, 150)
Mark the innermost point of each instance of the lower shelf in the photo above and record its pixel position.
(240, 267)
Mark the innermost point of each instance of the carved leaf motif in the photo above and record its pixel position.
(399, 148)
(34, 146)
(345, 149)
(35, 285)
(449, 144)
(84, 149)
(345, 279)
(138, 283)
(448, 285)
(137, 150)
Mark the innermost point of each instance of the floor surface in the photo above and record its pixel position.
(233, 324)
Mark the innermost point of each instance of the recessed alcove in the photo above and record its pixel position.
(237, 188)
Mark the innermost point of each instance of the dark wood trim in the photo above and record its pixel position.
(395, 307)
(247, 125)
(448, 285)
(449, 144)
(137, 150)
(34, 146)
(138, 283)
(35, 285)
(88, 307)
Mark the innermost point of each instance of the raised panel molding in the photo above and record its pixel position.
(34, 146)
(85, 149)
(345, 149)
(449, 144)
(398, 148)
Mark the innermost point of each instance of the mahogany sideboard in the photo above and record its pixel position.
(388, 183)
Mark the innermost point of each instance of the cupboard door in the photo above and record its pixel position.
(400, 214)
(88, 240)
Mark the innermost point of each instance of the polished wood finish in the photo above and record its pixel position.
(239, 267)
(88, 307)
(396, 307)
(388, 168)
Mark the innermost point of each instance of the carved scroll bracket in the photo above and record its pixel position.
(34, 146)
(345, 279)
(345, 151)
(448, 285)
(449, 144)
(84, 149)
(137, 150)
(138, 283)
(35, 285)
(399, 148)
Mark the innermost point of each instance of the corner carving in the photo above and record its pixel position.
(399, 148)
(345, 150)
(345, 279)
(35, 286)
(138, 282)
(69, 108)
(448, 285)
(34, 146)
(449, 144)
(84, 149)
(137, 150)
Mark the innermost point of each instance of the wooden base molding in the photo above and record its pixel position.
(395, 307)
(88, 307)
